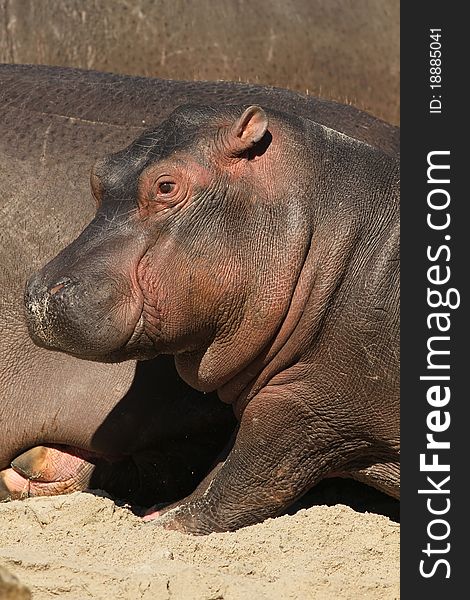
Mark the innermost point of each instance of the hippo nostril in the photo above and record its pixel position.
(56, 289)
(59, 286)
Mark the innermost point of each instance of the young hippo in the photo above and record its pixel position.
(261, 250)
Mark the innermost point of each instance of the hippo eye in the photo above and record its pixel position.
(166, 187)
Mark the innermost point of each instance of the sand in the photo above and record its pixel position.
(85, 546)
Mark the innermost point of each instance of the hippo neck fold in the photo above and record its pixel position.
(312, 296)
(323, 268)
(241, 365)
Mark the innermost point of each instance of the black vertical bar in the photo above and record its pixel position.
(426, 537)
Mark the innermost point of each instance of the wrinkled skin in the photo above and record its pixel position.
(338, 49)
(260, 249)
(65, 423)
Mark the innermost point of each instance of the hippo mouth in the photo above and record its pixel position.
(139, 346)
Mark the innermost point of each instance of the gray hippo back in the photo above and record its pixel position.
(342, 50)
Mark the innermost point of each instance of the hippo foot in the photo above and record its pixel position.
(190, 517)
(153, 513)
(45, 471)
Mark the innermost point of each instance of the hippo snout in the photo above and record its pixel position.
(87, 301)
(47, 307)
(90, 314)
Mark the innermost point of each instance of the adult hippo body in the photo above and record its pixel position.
(260, 248)
(54, 123)
(346, 51)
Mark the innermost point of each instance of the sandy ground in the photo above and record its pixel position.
(84, 546)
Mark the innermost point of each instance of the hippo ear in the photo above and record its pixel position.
(247, 131)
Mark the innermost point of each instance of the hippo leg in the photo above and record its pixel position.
(45, 471)
(278, 455)
(158, 510)
(274, 461)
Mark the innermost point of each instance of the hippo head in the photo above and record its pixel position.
(197, 239)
